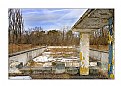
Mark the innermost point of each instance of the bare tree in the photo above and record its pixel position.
(15, 25)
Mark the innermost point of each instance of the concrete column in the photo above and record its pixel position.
(84, 54)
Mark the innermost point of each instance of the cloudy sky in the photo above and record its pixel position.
(51, 18)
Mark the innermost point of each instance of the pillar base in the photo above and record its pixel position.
(84, 70)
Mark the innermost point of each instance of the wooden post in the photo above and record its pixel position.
(111, 44)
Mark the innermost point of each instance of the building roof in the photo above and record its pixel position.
(93, 19)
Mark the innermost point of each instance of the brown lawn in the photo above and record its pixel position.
(19, 47)
(101, 47)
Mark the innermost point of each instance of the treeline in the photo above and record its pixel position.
(37, 36)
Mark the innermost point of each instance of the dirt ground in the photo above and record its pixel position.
(61, 76)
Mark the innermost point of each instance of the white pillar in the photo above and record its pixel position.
(84, 54)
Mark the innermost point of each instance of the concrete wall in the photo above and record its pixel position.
(25, 56)
(102, 56)
(72, 64)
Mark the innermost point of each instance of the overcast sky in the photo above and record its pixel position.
(51, 18)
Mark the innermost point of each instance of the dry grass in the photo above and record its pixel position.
(19, 47)
(63, 50)
(34, 64)
(101, 47)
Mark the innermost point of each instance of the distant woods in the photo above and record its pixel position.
(38, 37)
(99, 37)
